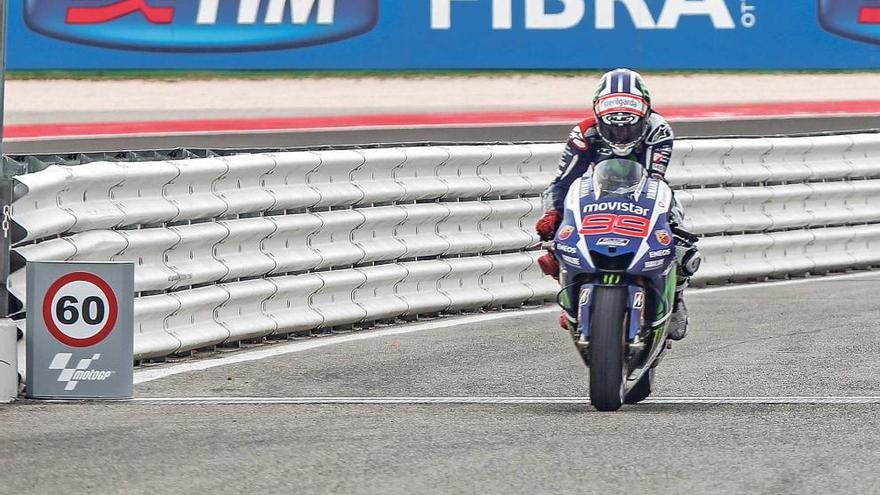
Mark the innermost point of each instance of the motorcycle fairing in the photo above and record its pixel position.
(578, 249)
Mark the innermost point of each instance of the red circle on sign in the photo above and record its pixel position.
(112, 312)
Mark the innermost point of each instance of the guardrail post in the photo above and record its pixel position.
(8, 331)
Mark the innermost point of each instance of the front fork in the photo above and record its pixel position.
(635, 321)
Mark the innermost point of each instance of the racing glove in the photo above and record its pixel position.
(549, 265)
(548, 224)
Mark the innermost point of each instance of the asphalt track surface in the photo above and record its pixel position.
(446, 134)
(271, 425)
(816, 339)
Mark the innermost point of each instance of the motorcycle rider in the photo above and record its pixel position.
(623, 125)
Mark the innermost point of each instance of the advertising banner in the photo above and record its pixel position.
(444, 34)
(80, 330)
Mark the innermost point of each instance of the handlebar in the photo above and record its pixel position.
(684, 234)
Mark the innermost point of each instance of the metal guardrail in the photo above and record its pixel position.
(25, 164)
(244, 246)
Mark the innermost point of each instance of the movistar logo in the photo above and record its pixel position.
(617, 206)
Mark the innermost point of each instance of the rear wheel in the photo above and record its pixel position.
(607, 373)
(642, 389)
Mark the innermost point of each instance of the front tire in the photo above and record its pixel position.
(607, 329)
(642, 389)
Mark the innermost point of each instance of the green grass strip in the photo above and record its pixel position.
(182, 75)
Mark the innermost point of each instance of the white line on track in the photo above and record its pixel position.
(144, 376)
(232, 401)
(148, 375)
(783, 283)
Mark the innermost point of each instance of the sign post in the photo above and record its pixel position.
(8, 360)
(80, 330)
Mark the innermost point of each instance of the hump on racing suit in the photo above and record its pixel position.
(585, 147)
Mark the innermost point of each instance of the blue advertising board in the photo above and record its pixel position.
(444, 34)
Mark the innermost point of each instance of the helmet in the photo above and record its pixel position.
(622, 105)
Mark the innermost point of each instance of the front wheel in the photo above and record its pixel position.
(642, 389)
(607, 366)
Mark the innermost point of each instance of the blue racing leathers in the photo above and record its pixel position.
(585, 148)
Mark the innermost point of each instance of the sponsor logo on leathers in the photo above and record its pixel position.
(653, 187)
(661, 133)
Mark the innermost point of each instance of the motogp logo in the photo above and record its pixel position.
(201, 25)
(79, 373)
(854, 19)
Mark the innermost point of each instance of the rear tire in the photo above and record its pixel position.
(642, 389)
(607, 374)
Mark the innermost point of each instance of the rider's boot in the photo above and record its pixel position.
(689, 261)
(678, 322)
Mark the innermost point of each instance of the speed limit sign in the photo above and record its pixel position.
(79, 329)
(80, 309)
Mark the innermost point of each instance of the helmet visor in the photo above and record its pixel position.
(621, 129)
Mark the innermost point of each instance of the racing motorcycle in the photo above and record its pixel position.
(617, 267)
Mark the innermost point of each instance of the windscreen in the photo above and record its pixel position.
(618, 176)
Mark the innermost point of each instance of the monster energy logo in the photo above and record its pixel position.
(611, 278)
